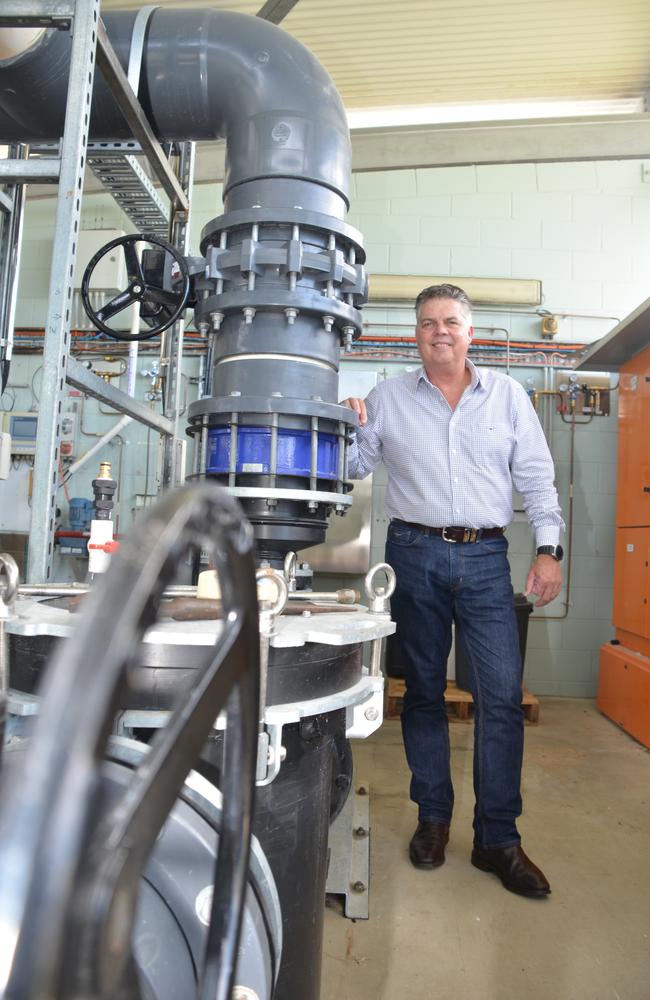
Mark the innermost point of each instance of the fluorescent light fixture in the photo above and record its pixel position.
(482, 291)
(439, 114)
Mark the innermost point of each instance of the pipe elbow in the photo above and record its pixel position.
(233, 75)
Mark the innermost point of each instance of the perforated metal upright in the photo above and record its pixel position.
(172, 342)
(83, 19)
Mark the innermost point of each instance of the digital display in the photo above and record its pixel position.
(24, 427)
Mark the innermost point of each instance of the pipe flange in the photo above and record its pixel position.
(281, 216)
(309, 301)
(216, 406)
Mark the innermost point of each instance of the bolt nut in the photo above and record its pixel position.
(371, 714)
(328, 323)
(360, 831)
(249, 313)
(358, 886)
(291, 315)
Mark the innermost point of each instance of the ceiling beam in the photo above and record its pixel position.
(607, 137)
(276, 10)
(603, 137)
(610, 137)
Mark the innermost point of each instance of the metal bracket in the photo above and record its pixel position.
(367, 716)
(349, 845)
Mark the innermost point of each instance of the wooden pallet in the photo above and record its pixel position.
(459, 703)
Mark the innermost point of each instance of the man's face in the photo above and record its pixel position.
(443, 333)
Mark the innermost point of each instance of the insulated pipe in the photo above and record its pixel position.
(206, 74)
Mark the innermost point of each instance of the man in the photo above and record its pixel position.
(455, 439)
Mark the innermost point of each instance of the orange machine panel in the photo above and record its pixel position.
(624, 690)
(633, 495)
(632, 581)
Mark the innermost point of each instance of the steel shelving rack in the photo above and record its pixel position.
(117, 166)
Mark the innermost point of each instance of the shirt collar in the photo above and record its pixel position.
(477, 379)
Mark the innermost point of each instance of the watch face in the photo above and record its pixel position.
(559, 552)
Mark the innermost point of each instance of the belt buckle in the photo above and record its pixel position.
(452, 541)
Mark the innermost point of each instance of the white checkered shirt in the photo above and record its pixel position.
(459, 467)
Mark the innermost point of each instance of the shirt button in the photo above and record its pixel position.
(453, 451)
(455, 479)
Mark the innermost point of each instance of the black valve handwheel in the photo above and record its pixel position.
(159, 307)
(71, 857)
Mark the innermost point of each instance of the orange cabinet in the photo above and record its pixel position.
(633, 494)
(624, 680)
(632, 581)
(624, 690)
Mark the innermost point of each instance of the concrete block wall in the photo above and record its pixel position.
(580, 228)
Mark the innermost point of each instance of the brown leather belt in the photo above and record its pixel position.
(453, 534)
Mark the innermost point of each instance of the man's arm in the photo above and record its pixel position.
(533, 476)
(365, 451)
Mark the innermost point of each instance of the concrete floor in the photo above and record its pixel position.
(455, 933)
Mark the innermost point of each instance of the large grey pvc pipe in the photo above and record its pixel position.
(205, 74)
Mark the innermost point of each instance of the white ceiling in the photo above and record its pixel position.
(413, 53)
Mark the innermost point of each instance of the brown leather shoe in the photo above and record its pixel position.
(516, 871)
(427, 847)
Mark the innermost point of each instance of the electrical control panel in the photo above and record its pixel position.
(22, 428)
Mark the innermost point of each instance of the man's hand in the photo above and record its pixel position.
(544, 580)
(359, 406)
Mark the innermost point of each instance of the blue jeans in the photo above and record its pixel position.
(467, 583)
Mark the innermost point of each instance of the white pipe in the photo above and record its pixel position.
(120, 425)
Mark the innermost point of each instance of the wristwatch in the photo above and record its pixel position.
(551, 550)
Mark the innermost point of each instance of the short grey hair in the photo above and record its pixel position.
(444, 292)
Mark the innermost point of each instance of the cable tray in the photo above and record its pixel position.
(126, 181)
